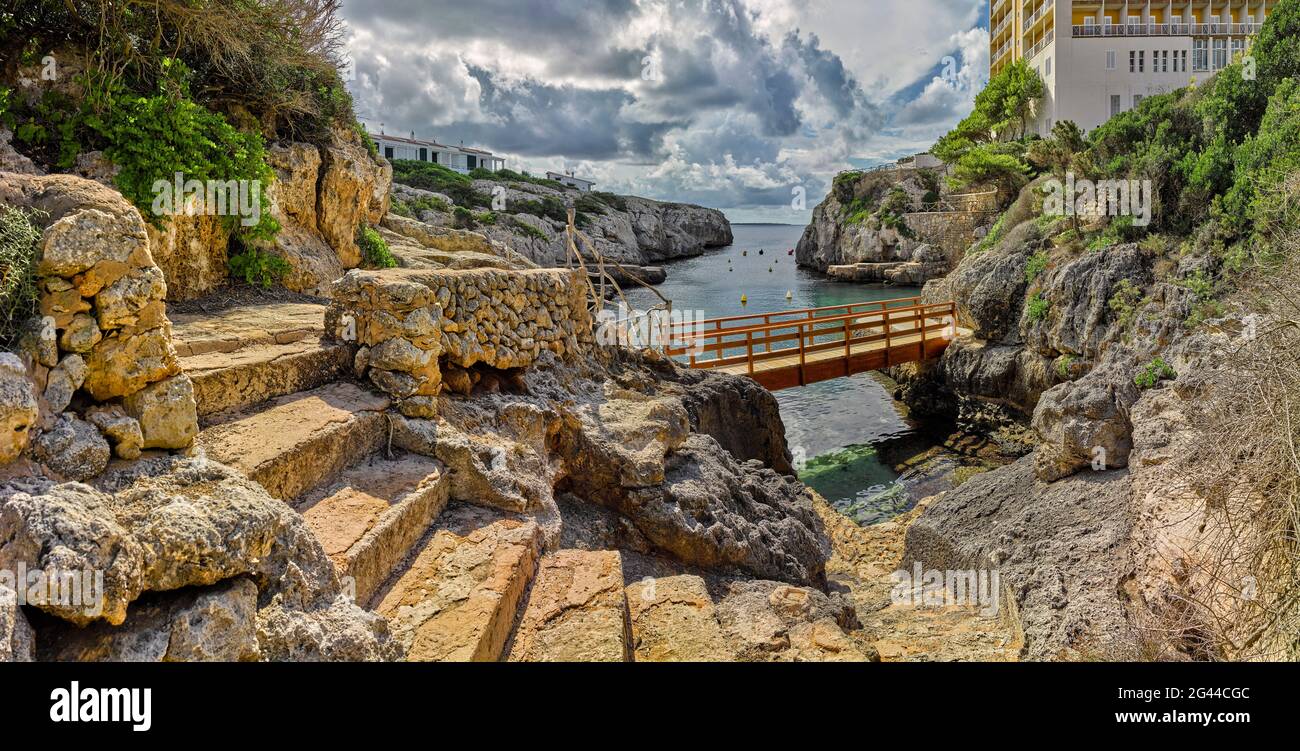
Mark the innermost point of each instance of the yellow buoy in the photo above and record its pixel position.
(789, 295)
(744, 300)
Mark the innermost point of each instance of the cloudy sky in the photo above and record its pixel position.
(727, 103)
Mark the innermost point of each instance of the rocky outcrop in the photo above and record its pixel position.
(353, 189)
(898, 225)
(174, 529)
(1060, 550)
(630, 230)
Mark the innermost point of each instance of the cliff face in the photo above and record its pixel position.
(897, 225)
(630, 230)
(1100, 532)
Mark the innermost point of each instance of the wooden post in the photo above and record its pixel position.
(922, 358)
(749, 350)
(803, 376)
(888, 336)
(848, 345)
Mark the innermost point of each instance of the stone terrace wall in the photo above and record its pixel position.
(417, 328)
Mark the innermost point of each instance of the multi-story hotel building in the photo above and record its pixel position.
(1101, 57)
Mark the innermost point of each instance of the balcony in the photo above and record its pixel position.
(1038, 15)
(1166, 29)
(1042, 45)
(1003, 50)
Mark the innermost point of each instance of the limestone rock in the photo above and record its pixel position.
(191, 252)
(63, 382)
(576, 610)
(11, 160)
(167, 413)
(209, 624)
(674, 620)
(19, 409)
(120, 429)
(710, 510)
(75, 243)
(121, 365)
(1060, 549)
(350, 180)
(17, 641)
(120, 303)
(177, 523)
(337, 631)
(770, 621)
(1085, 423)
(73, 448)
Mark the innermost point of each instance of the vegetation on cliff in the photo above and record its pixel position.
(178, 86)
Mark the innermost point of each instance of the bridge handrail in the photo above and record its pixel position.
(947, 309)
(849, 306)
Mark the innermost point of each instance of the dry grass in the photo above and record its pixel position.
(1247, 471)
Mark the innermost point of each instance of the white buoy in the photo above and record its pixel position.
(789, 295)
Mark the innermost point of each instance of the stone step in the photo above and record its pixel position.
(294, 443)
(246, 326)
(673, 619)
(576, 610)
(373, 515)
(457, 597)
(225, 381)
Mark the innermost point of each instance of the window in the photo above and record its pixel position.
(1132, 61)
(1220, 54)
(388, 153)
(1114, 104)
(1184, 56)
(1201, 54)
(472, 161)
(424, 154)
(1049, 67)
(1137, 99)
(1164, 61)
(1110, 59)
(1142, 61)
(1238, 49)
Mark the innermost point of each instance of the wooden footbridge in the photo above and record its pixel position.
(799, 347)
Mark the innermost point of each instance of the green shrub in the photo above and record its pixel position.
(375, 253)
(462, 217)
(440, 179)
(1064, 365)
(258, 268)
(19, 240)
(1037, 264)
(1124, 303)
(528, 229)
(1153, 373)
(1037, 308)
(154, 138)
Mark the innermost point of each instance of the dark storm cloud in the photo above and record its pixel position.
(735, 116)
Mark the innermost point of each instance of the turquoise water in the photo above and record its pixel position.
(831, 426)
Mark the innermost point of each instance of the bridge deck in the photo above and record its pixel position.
(799, 347)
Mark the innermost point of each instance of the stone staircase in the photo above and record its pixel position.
(457, 581)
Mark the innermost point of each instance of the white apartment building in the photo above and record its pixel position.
(568, 178)
(1102, 57)
(459, 158)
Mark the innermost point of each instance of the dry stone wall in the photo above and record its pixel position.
(99, 358)
(417, 329)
